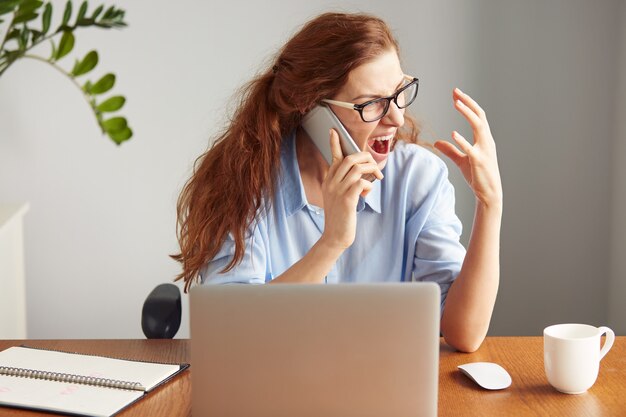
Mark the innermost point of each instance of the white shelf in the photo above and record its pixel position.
(12, 277)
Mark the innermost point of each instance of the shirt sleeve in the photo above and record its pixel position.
(251, 270)
(439, 254)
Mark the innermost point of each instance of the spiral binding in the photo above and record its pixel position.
(70, 378)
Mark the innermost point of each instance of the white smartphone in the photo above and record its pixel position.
(317, 124)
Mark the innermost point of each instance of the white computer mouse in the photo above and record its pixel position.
(488, 375)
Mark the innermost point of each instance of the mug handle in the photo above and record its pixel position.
(610, 338)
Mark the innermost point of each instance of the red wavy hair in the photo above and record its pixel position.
(237, 176)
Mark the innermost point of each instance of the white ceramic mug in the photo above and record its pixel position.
(572, 354)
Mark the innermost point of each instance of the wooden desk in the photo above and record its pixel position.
(530, 394)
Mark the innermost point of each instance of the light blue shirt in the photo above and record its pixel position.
(406, 230)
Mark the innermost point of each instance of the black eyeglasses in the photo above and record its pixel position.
(376, 109)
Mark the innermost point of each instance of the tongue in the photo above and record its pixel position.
(380, 146)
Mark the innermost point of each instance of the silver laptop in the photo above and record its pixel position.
(299, 350)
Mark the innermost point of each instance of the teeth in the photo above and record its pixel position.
(384, 138)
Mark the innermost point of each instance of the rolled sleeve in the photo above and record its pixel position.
(439, 254)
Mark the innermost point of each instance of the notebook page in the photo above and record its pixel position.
(148, 374)
(66, 398)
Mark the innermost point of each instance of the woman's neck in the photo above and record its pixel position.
(313, 168)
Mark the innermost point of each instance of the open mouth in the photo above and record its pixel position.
(380, 147)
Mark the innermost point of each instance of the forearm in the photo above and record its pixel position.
(471, 298)
(313, 267)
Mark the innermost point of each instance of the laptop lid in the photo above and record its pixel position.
(338, 350)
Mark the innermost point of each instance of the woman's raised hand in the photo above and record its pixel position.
(477, 162)
(341, 190)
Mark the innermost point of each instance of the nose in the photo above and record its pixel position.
(394, 116)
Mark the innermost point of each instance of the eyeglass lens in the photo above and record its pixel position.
(378, 108)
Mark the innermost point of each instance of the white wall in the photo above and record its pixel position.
(102, 218)
(617, 287)
(549, 77)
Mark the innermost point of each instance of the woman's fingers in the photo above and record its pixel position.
(462, 142)
(360, 171)
(450, 151)
(335, 147)
(335, 150)
(473, 119)
(363, 160)
(360, 188)
(477, 161)
(473, 113)
(457, 94)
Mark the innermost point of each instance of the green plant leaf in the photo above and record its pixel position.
(22, 40)
(7, 6)
(111, 18)
(65, 45)
(67, 14)
(87, 21)
(45, 18)
(25, 37)
(27, 7)
(97, 12)
(82, 11)
(81, 20)
(114, 124)
(26, 17)
(36, 34)
(103, 85)
(88, 63)
(13, 34)
(121, 136)
(109, 12)
(112, 104)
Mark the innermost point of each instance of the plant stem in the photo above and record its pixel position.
(22, 53)
(72, 79)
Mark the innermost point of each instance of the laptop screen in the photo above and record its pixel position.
(315, 350)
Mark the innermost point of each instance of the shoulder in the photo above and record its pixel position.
(415, 176)
(412, 161)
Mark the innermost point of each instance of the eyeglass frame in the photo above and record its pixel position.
(394, 97)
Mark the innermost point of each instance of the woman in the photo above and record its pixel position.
(264, 206)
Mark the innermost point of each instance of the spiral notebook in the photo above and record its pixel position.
(76, 384)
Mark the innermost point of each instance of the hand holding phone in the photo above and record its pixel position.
(317, 124)
(340, 199)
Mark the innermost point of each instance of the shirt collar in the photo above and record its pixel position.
(373, 198)
(294, 196)
(293, 191)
